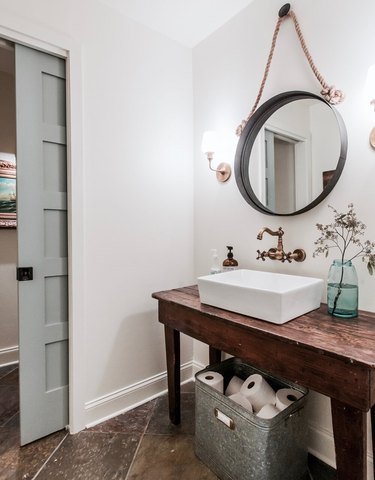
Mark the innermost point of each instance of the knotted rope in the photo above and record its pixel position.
(328, 92)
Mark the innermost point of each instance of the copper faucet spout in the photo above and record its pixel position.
(275, 233)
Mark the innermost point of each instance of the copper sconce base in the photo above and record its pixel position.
(372, 138)
(223, 172)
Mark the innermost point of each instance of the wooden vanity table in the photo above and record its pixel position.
(335, 357)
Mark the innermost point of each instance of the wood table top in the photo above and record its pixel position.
(350, 339)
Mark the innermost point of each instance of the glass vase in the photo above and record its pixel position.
(342, 292)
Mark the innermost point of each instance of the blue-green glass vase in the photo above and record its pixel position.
(342, 292)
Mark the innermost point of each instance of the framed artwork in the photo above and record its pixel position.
(327, 177)
(8, 211)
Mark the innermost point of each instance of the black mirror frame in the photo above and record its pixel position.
(247, 139)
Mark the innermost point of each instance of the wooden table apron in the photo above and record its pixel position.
(334, 357)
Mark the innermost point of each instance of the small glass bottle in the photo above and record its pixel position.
(215, 268)
(230, 263)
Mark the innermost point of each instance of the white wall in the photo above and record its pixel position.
(137, 194)
(138, 102)
(228, 68)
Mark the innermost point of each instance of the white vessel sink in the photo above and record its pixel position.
(273, 297)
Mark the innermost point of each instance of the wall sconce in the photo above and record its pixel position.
(370, 95)
(209, 146)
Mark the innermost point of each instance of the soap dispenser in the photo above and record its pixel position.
(230, 263)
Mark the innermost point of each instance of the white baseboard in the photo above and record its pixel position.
(115, 403)
(197, 366)
(9, 355)
(322, 446)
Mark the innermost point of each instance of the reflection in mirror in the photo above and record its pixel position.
(290, 154)
(293, 149)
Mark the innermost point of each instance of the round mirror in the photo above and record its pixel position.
(290, 154)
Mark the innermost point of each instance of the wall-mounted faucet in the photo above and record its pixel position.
(278, 253)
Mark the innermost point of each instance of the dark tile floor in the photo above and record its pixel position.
(137, 445)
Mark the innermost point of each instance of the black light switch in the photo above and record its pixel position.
(24, 274)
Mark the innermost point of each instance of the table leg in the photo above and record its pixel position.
(373, 436)
(172, 345)
(349, 429)
(214, 355)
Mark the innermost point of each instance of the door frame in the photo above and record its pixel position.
(25, 32)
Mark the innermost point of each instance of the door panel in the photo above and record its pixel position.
(42, 242)
(269, 169)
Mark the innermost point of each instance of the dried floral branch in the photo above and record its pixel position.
(346, 231)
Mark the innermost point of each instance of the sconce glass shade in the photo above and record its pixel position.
(369, 90)
(209, 142)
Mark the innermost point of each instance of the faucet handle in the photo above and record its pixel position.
(261, 255)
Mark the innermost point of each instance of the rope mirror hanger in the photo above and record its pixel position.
(329, 93)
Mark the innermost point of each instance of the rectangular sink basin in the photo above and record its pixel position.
(274, 297)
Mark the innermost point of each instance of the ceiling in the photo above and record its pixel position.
(186, 21)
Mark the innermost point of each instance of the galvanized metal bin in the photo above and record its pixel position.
(236, 444)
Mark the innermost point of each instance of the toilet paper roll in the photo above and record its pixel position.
(241, 400)
(286, 396)
(213, 379)
(256, 389)
(234, 386)
(268, 411)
